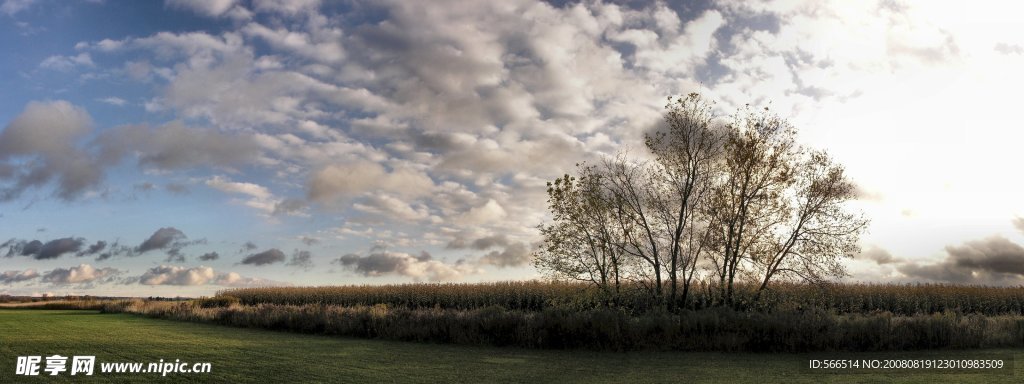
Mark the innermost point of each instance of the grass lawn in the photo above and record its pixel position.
(258, 356)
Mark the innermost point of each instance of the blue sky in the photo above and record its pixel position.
(352, 142)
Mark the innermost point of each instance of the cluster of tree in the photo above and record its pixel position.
(727, 201)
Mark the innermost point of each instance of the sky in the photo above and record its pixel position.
(183, 147)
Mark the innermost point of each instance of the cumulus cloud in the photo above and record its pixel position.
(232, 279)
(258, 197)
(83, 274)
(175, 275)
(455, 113)
(269, 256)
(422, 266)
(44, 140)
(67, 63)
(340, 181)
(10, 277)
(46, 143)
(201, 275)
(175, 146)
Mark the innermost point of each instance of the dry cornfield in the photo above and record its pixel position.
(538, 295)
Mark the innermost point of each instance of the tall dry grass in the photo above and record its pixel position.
(537, 296)
(715, 329)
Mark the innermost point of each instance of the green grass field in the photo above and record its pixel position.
(259, 356)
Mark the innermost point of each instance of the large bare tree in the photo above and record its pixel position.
(817, 230)
(758, 159)
(581, 243)
(742, 198)
(686, 153)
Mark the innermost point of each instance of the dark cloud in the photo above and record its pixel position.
(115, 249)
(289, 206)
(309, 241)
(878, 255)
(174, 255)
(163, 238)
(479, 244)
(374, 264)
(301, 259)
(992, 261)
(39, 250)
(31, 248)
(209, 256)
(422, 266)
(269, 256)
(995, 254)
(93, 249)
(514, 255)
(55, 248)
(10, 277)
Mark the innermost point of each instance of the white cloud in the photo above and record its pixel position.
(342, 181)
(82, 274)
(67, 63)
(114, 100)
(196, 276)
(12, 7)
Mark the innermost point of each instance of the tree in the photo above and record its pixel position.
(818, 231)
(686, 156)
(580, 244)
(758, 156)
(737, 202)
